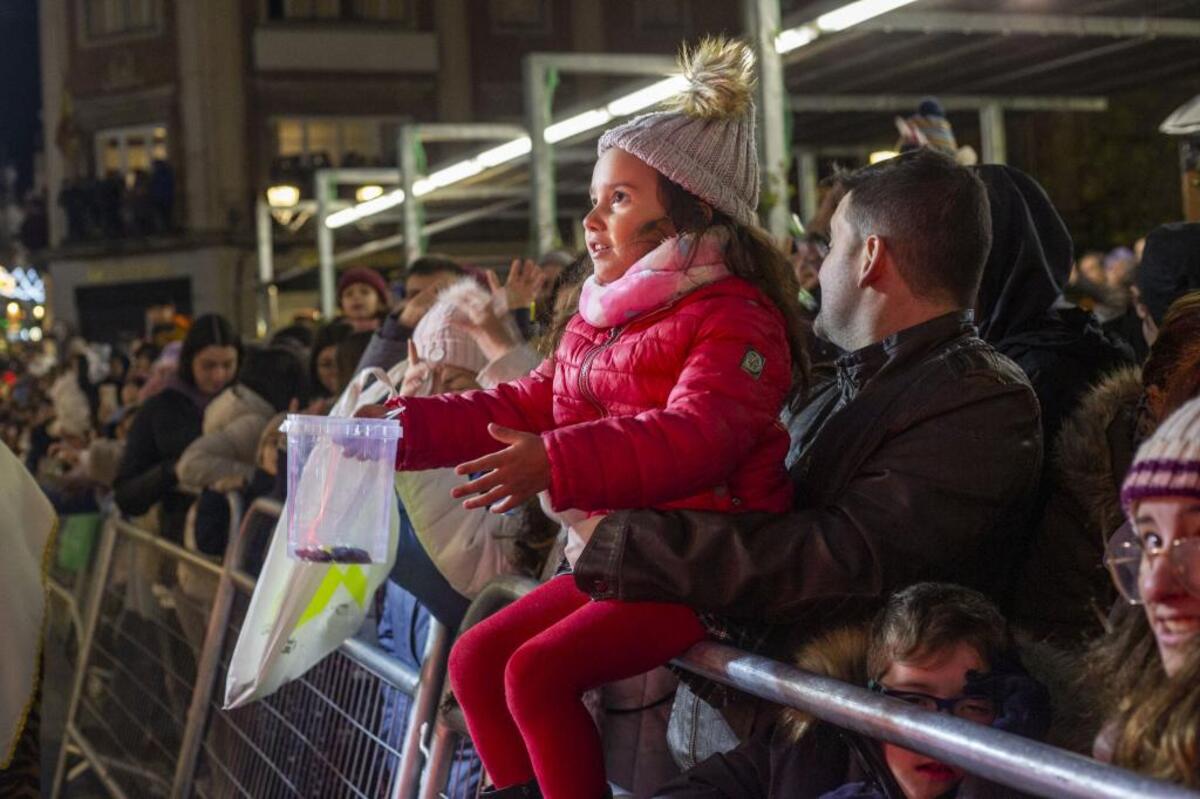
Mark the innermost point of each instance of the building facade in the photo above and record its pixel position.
(165, 120)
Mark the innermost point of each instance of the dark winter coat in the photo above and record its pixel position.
(163, 428)
(1064, 593)
(914, 461)
(1062, 351)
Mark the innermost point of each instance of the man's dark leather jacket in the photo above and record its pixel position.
(916, 460)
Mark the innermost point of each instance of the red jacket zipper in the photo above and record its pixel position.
(586, 365)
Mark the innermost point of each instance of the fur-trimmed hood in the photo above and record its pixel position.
(840, 653)
(1089, 462)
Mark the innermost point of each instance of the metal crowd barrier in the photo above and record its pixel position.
(145, 713)
(145, 717)
(1020, 763)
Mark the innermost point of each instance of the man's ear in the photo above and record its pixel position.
(874, 256)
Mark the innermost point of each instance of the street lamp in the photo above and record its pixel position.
(283, 196)
(370, 192)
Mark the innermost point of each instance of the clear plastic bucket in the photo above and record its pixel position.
(341, 486)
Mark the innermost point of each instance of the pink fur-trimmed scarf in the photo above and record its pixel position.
(657, 279)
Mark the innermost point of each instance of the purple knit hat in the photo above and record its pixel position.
(1168, 463)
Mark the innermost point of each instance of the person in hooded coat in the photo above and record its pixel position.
(1063, 595)
(1062, 350)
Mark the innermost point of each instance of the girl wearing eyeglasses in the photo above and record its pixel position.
(1149, 666)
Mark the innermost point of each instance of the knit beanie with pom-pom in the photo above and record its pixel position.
(704, 139)
(439, 340)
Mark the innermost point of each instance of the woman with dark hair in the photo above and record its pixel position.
(271, 380)
(323, 366)
(171, 419)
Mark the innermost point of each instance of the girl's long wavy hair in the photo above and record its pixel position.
(750, 254)
(1154, 719)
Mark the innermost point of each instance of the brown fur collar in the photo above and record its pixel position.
(1082, 456)
(840, 653)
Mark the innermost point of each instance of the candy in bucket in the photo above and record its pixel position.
(341, 483)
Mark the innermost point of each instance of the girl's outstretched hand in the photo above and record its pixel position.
(513, 475)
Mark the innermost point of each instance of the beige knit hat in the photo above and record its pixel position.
(704, 140)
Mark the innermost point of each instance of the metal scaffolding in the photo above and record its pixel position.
(777, 44)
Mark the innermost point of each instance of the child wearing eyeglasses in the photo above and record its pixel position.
(937, 646)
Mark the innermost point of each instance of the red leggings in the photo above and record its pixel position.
(519, 677)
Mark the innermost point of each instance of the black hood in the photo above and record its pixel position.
(1030, 259)
(1170, 266)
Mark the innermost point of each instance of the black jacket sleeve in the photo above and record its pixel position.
(160, 433)
(935, 500)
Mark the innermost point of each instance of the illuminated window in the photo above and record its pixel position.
(128, 151)
(335, 138)
(107, 18)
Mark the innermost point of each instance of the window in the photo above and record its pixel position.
(350, 10)
(128, 151)
(344, 141)
(527, 17)
(384, 10)
(108, 18)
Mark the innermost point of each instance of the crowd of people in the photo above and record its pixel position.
(933, 454)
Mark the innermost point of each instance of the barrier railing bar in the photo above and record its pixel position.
(108, 541)
(210, 653)
(257, 750)
(441, 758)
(422, 712)
(68, 599)
(194, 558)
(103, 722)
(133, 678)
(150, 656)
(98, 767)
(380, 663)
(994, 755)
(292, 728)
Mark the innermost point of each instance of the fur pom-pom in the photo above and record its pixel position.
(720, 76)
(468, 298)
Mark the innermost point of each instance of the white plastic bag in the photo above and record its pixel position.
(301, 611)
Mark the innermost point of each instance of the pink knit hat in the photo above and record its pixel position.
(439, 340)
(1168, 463)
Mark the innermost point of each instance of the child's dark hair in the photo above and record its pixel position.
(927, 617)
(276, 374)
(750, 255)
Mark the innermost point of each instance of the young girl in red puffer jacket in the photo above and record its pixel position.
(664, 392)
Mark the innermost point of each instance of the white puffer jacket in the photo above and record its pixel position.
(228, 445)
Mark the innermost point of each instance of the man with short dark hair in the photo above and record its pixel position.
(913, 458)
(907, 244)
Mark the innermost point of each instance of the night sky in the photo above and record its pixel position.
(20, 90)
